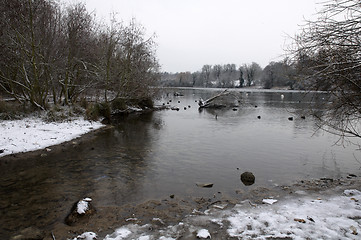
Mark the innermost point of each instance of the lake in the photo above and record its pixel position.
(163, 153)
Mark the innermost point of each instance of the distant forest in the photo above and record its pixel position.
(280, 74)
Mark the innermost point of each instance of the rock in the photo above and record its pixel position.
(248, 178)
(29, 233)
(205, 185)
(290, 118)
(239, 191)
(300, 220)
(86, 236)
(269, 201)
(203, 234)
(80, 210)
(303, 117)
(171, 196)
(354, 230)
(1, 150)
(259, 117)
(220, 206)
(351, 192)
(234, 109)
(158, 221)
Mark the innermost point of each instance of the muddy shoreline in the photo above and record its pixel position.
(171, 210)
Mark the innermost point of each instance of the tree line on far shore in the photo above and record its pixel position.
(282, 74)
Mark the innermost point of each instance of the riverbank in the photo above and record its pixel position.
(313, 209)
(31, 136)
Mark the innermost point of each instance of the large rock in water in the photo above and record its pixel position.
(80, 210)
(248, 178)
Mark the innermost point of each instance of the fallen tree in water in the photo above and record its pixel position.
(221, 100)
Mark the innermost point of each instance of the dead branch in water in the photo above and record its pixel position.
(210, 101)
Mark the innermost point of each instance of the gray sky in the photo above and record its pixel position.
(191, 33)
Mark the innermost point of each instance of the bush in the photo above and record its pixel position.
(146, 103)
(12, 110)
(84, 103)
(97, 110)
(119, 104)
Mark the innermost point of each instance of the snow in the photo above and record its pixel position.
(300, 217)
(203, 233)
(333, 218)
(86, 236)
(119, 234)
(33, 133)
(269, 201)
(83, 206)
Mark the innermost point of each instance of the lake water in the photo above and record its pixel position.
(155, 155)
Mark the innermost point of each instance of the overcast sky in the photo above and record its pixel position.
(191, 33)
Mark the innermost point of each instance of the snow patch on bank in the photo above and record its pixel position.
(336, 217)
(330, 218)
(32, 133)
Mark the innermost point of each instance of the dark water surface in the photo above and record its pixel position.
(154, 155)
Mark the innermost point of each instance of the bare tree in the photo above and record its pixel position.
(217, 70)
(279, 74)
(241, 78)
(252, 72)
(27, 46)
(48, 50)
(79, 51)
(206, 72)
(328, 51)
(108, 67)
(138, 63)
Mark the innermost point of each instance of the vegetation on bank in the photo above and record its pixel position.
(58, 55)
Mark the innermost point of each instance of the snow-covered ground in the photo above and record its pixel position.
(306, 217)
(33, 133)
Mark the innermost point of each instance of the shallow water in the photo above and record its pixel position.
(155, 155)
